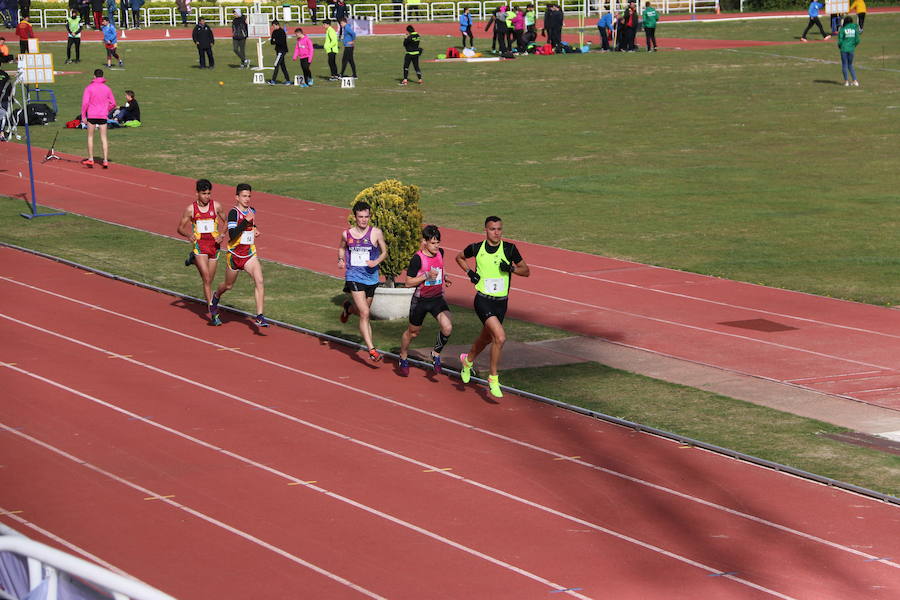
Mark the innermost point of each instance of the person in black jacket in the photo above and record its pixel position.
(413, 52)
(239, 37)
(279, 40)
(130, 111)
(553, 26)
(204, 40)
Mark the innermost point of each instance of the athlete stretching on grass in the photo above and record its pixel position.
(242, 254)
(426, 273)
(360, 251)
(495, 262)
(200, 224)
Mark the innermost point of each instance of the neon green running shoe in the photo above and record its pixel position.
(466, 373)
(494, 385)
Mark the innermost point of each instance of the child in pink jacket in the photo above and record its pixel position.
(304, 51)
(96, 102)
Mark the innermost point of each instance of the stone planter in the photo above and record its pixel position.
(391, 303)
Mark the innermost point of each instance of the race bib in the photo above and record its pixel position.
(247, 238)
(495, 285)
(438, 280)
(359, 257)
(206, 225)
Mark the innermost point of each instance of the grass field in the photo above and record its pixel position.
(750, 164)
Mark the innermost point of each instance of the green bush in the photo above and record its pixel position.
(395, 210)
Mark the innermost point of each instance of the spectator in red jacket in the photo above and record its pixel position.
(25, 33)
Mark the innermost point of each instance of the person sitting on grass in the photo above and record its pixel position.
(130, 112)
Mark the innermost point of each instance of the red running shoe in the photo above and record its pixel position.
(375, 355)
(88, 162)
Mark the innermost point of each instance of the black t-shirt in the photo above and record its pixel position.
(512, 253)
(415, 264)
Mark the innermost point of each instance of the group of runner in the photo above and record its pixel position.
(361, 250)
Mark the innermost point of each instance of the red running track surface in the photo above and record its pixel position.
(235, 463)
(833, 346)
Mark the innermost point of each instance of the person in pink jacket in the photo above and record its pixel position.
(96, 102)
(304, 51)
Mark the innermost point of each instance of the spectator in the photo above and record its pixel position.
(25, 33)
(492, 22)
(97, 10)
(279, 40)
(340, 11)
(465, 26)
(111, 11)
(859, 7)
(553, 26)
(650, 17)
(311, 7)
(605, 25)
(331, 48)
(123, 13)
(184, 8)
(130, 111)
(411, 43)
(204, 40)
(518, 28)
(136, 13)
(239, 37)
(96, 102)
(348, 38)
(848, 39)
(304, 51)
(5, 56)
(629, 27)
(84, 10)
(500, 29)
(74, 25)
(530, 30)
(814, 8)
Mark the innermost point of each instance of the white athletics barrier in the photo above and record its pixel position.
(220, 16)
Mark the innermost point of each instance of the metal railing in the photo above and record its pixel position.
(48, 565)
(388, 13)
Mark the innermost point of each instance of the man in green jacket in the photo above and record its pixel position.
(331, 48)
(649, 16)
(74, 25)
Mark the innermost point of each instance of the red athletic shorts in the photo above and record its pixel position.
(237, 262)
(208, 247)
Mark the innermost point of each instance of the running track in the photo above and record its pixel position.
(841, 348)
(225, 463)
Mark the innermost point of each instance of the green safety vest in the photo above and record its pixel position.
(493, 282)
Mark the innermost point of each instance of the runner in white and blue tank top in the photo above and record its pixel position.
(360, 251)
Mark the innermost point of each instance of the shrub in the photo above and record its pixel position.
(395, 210)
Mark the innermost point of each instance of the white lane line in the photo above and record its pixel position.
(391, 453)
(187, 509)
(466, 426)
(291, 478)
(63, 542)
(835, 378)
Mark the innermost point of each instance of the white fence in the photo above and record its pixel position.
(435, 11)
(46, 571)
